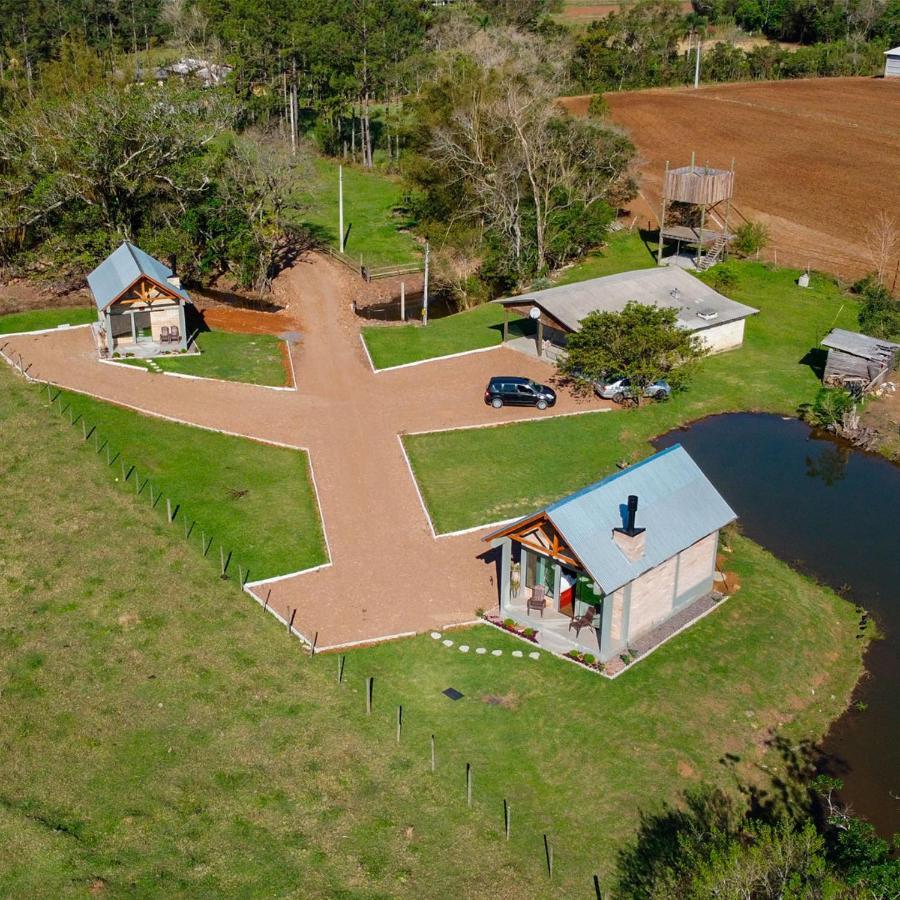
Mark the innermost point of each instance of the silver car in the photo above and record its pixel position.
(619, 390)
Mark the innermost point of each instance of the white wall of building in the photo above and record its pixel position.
(726, 336)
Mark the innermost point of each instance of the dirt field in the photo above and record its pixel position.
(815, 159)
(582, 13)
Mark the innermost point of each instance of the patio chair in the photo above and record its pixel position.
(537, 600)
(174, 334)
(164, 334)
(585, 621)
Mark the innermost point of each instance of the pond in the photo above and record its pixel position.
(834, 513)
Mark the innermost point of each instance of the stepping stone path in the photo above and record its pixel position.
(534, 655)
(463, 648)
(480, 650)
(496, 653)
(447, 643)
(517, 653)
(436, 635)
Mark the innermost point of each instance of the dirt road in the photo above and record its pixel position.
(389, 575)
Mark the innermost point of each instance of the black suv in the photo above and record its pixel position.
(503, 390)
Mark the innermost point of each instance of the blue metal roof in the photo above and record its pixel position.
(677, 505)
(122, 268)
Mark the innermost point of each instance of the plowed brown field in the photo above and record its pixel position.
(815, 159)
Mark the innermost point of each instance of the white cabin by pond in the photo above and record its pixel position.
(615, 563)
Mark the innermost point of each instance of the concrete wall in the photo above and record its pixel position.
(727, 336)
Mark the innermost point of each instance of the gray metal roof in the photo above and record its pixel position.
(860, 345)
(122, 268)
(661, 286)
(677, 505)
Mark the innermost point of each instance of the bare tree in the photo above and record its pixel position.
(882, 244)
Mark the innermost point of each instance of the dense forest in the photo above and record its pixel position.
(98, 141)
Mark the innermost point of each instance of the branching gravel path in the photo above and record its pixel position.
(388, 574)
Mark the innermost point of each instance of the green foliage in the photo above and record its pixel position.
(641, 343)
(750, 238)
(879, 315)
(598, 108)
(830, 406)
(723, 278)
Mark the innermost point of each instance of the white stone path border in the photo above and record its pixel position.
(480, 651)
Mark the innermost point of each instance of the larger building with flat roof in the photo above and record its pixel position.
(717, 320)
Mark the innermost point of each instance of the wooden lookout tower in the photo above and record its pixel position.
(692, 210)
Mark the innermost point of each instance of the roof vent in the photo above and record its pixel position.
(707, 314)
(630, 540)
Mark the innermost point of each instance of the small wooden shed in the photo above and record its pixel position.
(892, 63)
(857, 360)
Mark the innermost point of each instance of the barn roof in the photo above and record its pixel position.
(678, 506)
(698, 305)
(895, 51)
(860, 345)
(122, 268)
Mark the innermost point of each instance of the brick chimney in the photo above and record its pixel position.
(630, 540)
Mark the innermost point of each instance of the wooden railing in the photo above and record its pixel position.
(371, 273)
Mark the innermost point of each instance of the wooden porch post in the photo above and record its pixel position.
(133, 327)
(110, 343)
(183, 328)
(540, 337)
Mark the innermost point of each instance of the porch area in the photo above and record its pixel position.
(555, 631)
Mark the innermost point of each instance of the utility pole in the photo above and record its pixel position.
(697, 63)
(425, 294)
(341, 208)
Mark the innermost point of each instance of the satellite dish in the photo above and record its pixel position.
(534, 312)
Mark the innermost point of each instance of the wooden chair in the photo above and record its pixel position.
(164, 334)
(537, 600)
(174, 334)
(585, 621)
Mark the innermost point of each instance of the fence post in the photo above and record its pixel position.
(399, 722)
(369, 681)
(291, 621)
(597, 890)
(83, 429)
(548, 852)
(468, 784)
(222, 560)
(169, 509)
(506, 818)
(341, 659)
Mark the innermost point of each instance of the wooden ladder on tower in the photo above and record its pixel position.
(711, 258)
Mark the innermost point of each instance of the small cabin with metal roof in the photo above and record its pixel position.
(857, 361)
(617, 560)
(140, 305)
(717, 320)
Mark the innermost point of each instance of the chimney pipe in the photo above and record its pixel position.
(632, 510)
(630, 540)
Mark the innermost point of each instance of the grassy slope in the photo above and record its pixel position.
(483, 325)
(38, 319)
(370, 199)
(271, 529)
(163, 736)
(464, 475)
(252, 358)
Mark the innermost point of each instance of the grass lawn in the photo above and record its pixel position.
(253, 358)
(370, 201)
(471, 330)
(624, 251)
(464, 475)
(251, 498)
(38, 319)
(162, 736)
(483, 325)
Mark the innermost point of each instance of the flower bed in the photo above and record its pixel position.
(588, 660)
(513, 627)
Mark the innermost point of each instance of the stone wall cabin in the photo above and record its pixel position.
(140, 305)
(638, 548)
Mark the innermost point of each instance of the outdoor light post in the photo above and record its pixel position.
(341, 208)
(425, 293)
